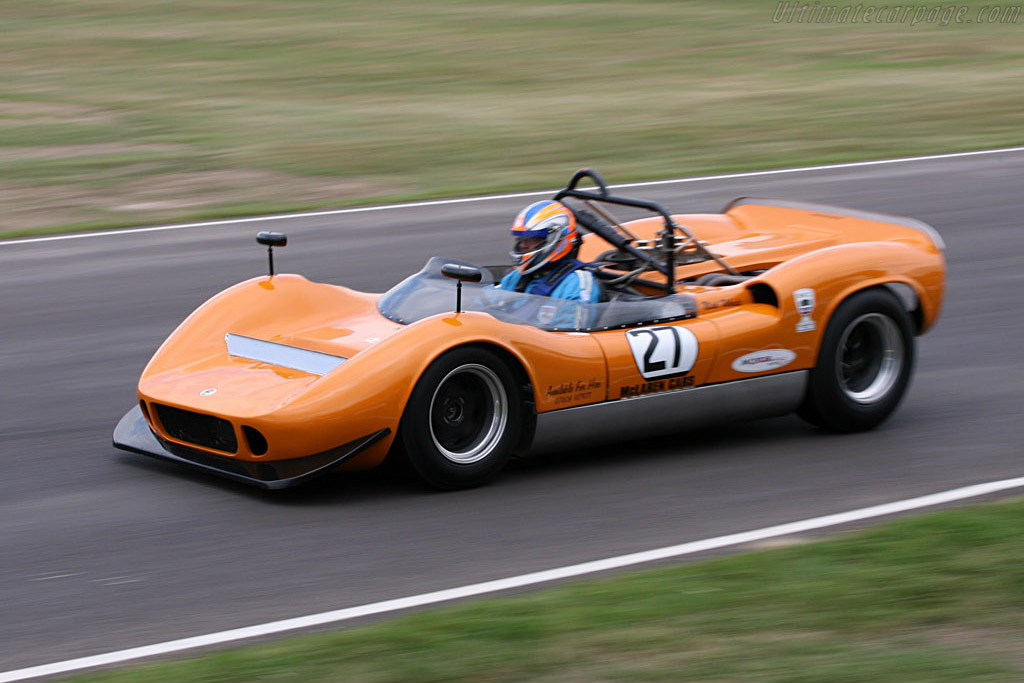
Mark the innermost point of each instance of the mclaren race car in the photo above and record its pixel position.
(767, 308)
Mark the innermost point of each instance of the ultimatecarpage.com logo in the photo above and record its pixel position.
(942, 15)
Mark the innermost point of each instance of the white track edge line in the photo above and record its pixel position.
(486, 587)
(515, 195)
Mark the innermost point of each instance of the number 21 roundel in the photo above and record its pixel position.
(663, 351)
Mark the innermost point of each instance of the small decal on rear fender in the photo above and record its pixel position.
(761, 361)
(805, 301)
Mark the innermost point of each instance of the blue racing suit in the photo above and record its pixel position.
(569, 283)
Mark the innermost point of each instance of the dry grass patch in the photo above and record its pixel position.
(405, 99)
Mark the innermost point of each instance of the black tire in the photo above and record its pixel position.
(462, 420)
(864, 364)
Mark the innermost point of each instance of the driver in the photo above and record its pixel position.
(544, 254)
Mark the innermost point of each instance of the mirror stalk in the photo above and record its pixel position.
(272, 239)
(460, 274)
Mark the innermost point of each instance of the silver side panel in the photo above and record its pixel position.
(282, 355)
(673, 411)
(839, 211)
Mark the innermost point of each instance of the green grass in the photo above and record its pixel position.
(933, 598)
(121, 112)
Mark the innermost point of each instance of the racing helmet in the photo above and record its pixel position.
(544, 232)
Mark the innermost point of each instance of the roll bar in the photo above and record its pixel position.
(609, 234)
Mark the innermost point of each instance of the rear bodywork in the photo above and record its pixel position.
(279, 379)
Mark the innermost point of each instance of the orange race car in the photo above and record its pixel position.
(768, 308)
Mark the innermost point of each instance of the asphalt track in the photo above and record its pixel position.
(103, 550)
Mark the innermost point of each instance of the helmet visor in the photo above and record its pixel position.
(526, 245)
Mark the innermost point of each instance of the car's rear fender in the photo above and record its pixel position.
(915, 276)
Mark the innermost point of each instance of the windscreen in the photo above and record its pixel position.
(429, 293)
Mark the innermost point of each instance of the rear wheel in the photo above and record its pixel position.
(864, 364)
(462, 419)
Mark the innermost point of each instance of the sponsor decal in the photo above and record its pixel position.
(663, 351)
(372, 340)
(761, 361)
(567, 393)
(711, 304)
(546, 314)
(655, 386)
(804, 299)
(208, 392)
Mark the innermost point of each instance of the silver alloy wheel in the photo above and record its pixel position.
(468, 413)
(869, 358)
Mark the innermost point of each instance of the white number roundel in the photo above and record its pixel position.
(663, 351)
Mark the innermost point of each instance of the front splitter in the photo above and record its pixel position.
(133, 434)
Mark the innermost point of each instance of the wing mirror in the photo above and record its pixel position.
(460, 274)
(457, 271)
(271, 240)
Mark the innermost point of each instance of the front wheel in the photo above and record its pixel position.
(864, 364)
(462, 419)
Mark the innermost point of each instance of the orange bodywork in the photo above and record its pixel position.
(834, 253)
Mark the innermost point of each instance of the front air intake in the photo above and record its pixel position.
(199, 429)
(257, 442)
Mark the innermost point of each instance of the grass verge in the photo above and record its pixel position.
(932, 598)
(127, 112)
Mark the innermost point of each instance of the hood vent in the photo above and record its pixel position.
(282, 355)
